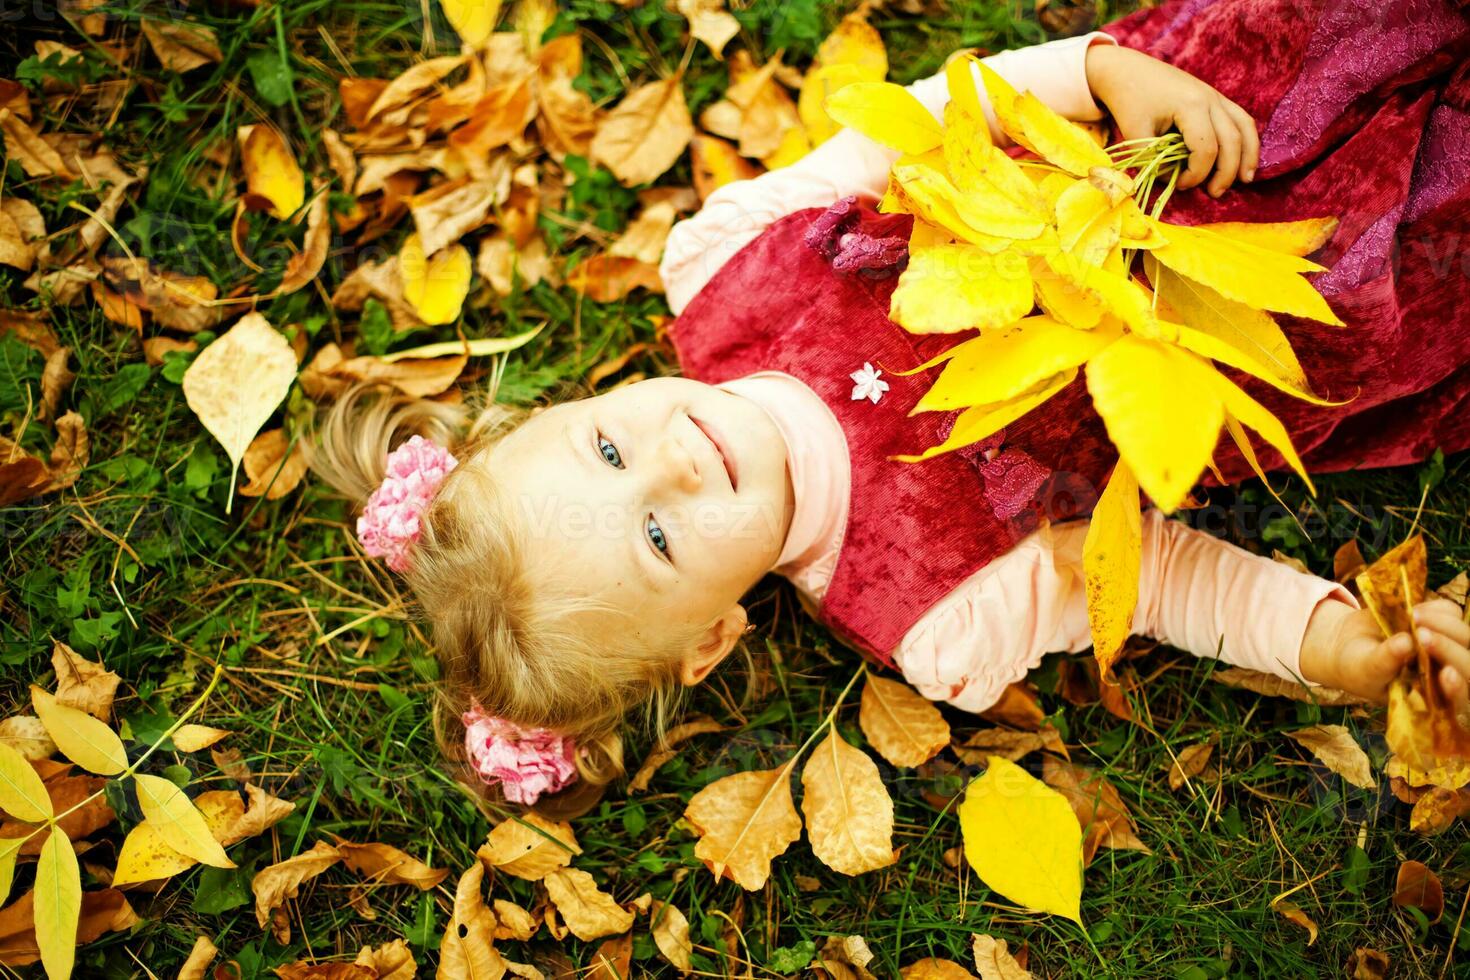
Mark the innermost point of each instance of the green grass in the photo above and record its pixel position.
(141, 566)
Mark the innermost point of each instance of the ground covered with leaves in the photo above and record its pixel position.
(1221, 846)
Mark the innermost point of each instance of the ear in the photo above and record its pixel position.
(712, 646)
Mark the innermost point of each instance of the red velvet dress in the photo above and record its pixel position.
(1364, 112)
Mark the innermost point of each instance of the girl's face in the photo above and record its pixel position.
(668, 499)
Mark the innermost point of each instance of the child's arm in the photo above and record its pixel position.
(1196, 592)
(851, 164)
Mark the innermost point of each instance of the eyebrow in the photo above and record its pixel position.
(640, 560)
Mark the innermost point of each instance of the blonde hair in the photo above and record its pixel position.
(508, 637)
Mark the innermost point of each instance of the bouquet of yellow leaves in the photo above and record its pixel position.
(994, 237)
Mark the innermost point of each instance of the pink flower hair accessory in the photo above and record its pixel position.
(390, 524)
(526, 762)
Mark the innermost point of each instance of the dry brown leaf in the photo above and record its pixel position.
(613, 959)
(306, 264)
(30, 329)
(1418, 887)
(756, 111)
(568, 119)
(15, 250)
(1278, 687)
(1018, 707)
(275, 885)
(499, 262)
(467, 951)
(270, 472)
(1011, 745)
(497, 119)
(1190, 762)
(715, 163)
(175, 301)
(849, 814)
(744, 821)
(13, 96)
(902, 725)
(588, 912)
(1437, 809)
(1347, 562)
(1100, 810)
(409, 85)
(155, 349)
(513, 922)
(200, 957)
(645, 235)
(932, 968)
(383, 863)
(703, 725)
(445, 213)
(181, 46)
(670, 931)
(1335, 747)
(56, 378)
(324, 971)
(709, 22)
(1367, 964)
(1293, 913)
(846, 957)
(26, 147)
(102, 912)
(608, 278)
(381, 281)
(263, 811)
(235, 383)
(1381, 584)
(643, 136)
(391, 961)
(530, 847)
(28, 736)
(82, 684)
(994, 961)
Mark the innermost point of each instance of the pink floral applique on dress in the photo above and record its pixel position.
(1012, 478)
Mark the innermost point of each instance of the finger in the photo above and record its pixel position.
(1250, 141)
(1199, 135)
(1227, 160)
(1452, 682)
(1445, 650)
(1440, 605)
(1449, 624)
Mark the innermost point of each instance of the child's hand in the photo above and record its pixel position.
(1345, 649)
(1146, 97)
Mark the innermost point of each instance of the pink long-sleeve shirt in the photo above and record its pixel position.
(1196, 592)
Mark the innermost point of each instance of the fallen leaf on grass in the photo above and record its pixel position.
(1367, 964)
(181, 46)
(1100, 811)
(273, 178)
(709, 22)
(446, 212)
(849, 814)
(235, 384)
(58, 904)
(1335, 747)
(275, 885)
(1023, 839)
(270, 472)
(1278, 687)
(935, 969)
(27, 735)
(607, 278)
(70, 795)
(703, 725)
(588, 912)
(756, 111)
(568, 120)
(200, 957)
(613, 959)
(744, 821)
(1437, 809)
(81, 738)
(434, 285)
(530, 847)
(1293, 913)
(643, 136)
(304, 266)
(1348, 562)
(262, 812)
(1012, 745)
(101, 912)
(178, 820)
(156, 349)
(512, 921)
(174, 301)
(902, 725)
(26, 147)
(715, 163)
(845, 957)
(1418, 887)
(81, 683)
(670, 931)
(387, 864)
(1017, 707)
(467, 950)
(994, 961)
(193, 738)
(391, 961)
(1190, 762)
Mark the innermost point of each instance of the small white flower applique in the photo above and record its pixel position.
(869, 384)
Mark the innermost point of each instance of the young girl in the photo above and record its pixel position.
(587, 560)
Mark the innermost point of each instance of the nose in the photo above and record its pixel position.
(674, 468)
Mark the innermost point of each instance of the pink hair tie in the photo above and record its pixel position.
(526, 762)
(389, 524)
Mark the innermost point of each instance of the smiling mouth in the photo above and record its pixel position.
(710, 434)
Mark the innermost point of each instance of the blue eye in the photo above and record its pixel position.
(657, 536)
(609, 452)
